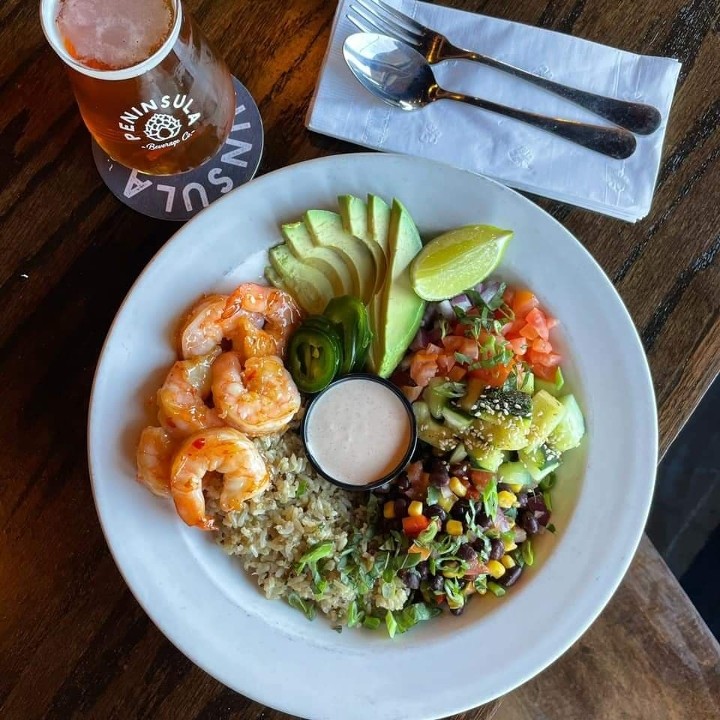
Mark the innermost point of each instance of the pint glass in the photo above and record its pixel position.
(152, 91)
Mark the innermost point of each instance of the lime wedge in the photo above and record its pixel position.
(457, 260)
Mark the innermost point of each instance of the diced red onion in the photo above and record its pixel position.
(489, 291)
(461, 301)
(444, 310)
(429, 314)
(520, 534)
(434, 336)
(420, 340)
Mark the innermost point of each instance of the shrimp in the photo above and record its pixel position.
(181, 399)
(259, 398)
(203, 328)
(223, 450)
(280, 317)
(154, 457)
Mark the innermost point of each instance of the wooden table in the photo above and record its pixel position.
(73, 641)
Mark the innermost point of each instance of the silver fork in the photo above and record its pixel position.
(378, 16)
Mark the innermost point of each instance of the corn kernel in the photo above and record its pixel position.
(516, 487)
(389, 510)
(509, 545)
(446, 503)
(496, 569)
(507, 561)
(457, 487)
(506, 499)
(454, 527)
(415, 508)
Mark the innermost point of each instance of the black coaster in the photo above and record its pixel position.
(180, 197)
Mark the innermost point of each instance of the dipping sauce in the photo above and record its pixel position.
(359, 431)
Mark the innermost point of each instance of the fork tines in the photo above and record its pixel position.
(377, 16)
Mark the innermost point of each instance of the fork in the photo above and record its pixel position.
(378, 16)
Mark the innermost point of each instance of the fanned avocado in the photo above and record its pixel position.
(402, 309)
(354, 215)
(326, 260)
(306, 284)
(327, 230)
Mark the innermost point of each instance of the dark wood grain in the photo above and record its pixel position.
(73, 641)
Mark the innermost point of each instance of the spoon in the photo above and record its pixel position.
(402, 77)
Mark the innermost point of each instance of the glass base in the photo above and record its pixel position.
(180, 197)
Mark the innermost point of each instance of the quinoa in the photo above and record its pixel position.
(298, 511)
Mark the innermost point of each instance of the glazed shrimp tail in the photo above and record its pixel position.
(222, 450)
(154, 458)
(260, 398)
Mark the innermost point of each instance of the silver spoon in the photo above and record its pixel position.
(402, 77)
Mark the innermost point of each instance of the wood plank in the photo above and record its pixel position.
(73, 641)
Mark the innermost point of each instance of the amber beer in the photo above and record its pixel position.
(150, 88)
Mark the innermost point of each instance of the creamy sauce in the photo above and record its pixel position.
(358, 431)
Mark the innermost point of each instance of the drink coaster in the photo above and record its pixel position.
(180, 197)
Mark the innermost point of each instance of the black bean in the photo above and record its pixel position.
(402, 483)
(422, 569)
(511, 576)
(528, 522)
(459, 509)
(436, 511)
(439, 476)
(411, 579)
(458, 611)
(437, 583)
(482, 520)
(497, 550)
(522, 499)
(382, 491)
(536, 503)
(478, 545)
(401, 506)
(392, 524)
(465, 552)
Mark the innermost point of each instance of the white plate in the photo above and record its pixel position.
(203, 601)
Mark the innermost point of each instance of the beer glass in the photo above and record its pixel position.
(151, 90)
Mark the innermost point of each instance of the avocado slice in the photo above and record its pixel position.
(274, 279)
(378, 221)
(306, 284)
(402, 309)
(326, 229)
(327, 260)
(355, 221)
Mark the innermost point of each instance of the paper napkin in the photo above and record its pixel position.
(508, 151)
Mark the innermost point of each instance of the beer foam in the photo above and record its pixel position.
(114, 34)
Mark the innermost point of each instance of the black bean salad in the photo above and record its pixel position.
(464, 533)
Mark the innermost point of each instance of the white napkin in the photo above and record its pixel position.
(504, 149)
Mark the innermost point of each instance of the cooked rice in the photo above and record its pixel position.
(299, 510)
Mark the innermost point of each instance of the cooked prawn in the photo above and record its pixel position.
(181, 399)
(260, 398)
(154, 458)
(279, 313)
(223, 450)
(203, 328)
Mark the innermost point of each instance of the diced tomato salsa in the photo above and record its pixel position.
(519, 340)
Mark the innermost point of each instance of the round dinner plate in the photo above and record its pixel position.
(203, 601)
